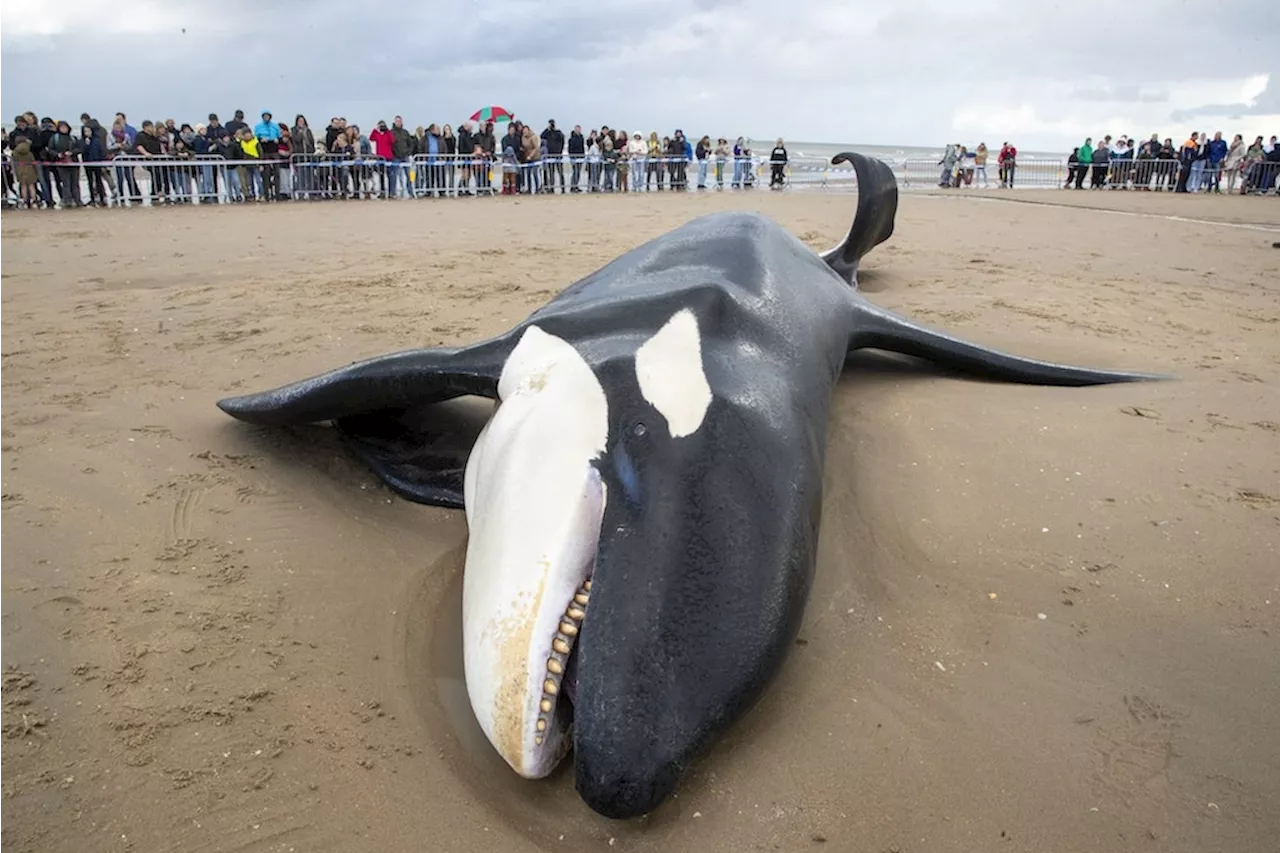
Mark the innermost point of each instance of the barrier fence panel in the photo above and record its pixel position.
(1024, 172)
(134, 180)
(338, 176)
(448, 175)
(1124, 173)
(610, 172)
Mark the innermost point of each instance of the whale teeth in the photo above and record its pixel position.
(557, 661)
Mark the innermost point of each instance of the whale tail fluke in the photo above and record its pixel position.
(876, 328)
(873, 219)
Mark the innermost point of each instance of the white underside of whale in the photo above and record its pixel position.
(534, 504)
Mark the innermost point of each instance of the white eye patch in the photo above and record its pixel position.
(669, 370)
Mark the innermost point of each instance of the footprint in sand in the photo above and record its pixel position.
(183, 515)
(1134, 756)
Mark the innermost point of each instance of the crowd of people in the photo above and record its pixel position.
(50, 164)
(1198, 165)
(47, 162)
(960, 165)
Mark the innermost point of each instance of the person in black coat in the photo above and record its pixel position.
(63, 150)
(577, 153)
(777, 163)
(94, 153)
(554, 138)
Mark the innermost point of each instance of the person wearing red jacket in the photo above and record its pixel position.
(383, 142)
(1008, 162)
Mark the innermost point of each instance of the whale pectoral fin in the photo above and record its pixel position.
(873, 219)
(420, 453)
(387, 411)
(877, 328)
(397, 381)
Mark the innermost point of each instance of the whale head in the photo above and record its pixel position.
(623, 597)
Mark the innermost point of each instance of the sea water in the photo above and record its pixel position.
(894, 154)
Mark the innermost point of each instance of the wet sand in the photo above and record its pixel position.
(1044, 618)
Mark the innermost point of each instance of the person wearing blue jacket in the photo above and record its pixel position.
(1216, 153)
(267, 129)
(687, 150)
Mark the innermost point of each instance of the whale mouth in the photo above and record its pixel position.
(560, 684)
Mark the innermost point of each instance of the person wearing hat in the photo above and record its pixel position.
(236, 124)
(267, 132)
(267, 129)
(215, 131)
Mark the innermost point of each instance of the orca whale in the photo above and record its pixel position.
(643, 503)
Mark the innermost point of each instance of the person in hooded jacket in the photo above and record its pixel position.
(466, 143)
(101, 133)
(1085, 157)
(45, 161)
(93, 151)
(24, 169)
(63, 149)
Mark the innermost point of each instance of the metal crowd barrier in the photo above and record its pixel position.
(337, 176)
(210, 179)
(134, 180)
(1157, 175)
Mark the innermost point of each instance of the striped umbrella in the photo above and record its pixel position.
(491, 113)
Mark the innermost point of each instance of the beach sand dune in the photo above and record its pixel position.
(1044, 618)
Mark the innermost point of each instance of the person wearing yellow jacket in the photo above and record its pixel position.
(250, 176)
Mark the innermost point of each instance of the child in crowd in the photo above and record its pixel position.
(510, 171)
(479, 168)
(24, 168)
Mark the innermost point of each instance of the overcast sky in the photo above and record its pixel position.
(919, 72)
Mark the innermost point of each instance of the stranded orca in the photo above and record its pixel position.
(643, 503)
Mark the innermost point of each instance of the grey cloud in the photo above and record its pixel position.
(1119, 92)
(1266, 104)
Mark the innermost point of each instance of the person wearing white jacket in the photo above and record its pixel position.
(636, 151)
(1235, 158)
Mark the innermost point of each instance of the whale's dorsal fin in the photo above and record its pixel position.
(387, 410)
(872, 221)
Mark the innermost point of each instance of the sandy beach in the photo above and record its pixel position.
(1045, 619)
